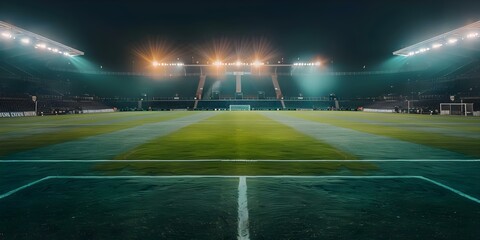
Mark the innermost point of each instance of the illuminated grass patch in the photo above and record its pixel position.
(236, 135)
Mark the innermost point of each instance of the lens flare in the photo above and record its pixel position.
(263, 50)
(216, 52)
(156, 52)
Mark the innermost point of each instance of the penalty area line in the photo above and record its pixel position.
(22, 187)
(431, 181)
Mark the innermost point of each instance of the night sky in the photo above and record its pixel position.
(350, 34)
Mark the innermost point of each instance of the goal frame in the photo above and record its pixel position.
(458, 109)
(236, 107)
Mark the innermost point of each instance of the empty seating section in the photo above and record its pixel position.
(252, 85)
(254, 104)
(169, 104)
(307, 104)
(47, 106)
(16, 105)
(423, 82)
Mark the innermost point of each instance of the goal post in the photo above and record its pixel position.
(239, 108)
(462, 109)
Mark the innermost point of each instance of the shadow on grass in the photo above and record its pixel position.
(243, 168)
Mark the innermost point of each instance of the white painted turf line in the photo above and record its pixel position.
(458, 192)
(22, 187)
(238, 160)
(451, 189)
(243, 232)
(359, 143)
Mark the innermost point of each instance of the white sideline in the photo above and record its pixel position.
(238, 160)
(22, 187)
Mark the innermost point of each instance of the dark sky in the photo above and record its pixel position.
(351, 33)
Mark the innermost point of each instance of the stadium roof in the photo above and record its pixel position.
(29, 38)
(467, 32)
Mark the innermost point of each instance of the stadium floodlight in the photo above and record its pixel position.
(41, 45)
(472, 35)
(155, 64)
(257, 63)
(25, 40)
(238, 63)
(217, 63)
(6, 35)
(10, 31)
(317, 63)
(452, 40)
(422, 50)
(449, 38)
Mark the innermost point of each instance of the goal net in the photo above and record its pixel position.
(464, 109)
(239, 107)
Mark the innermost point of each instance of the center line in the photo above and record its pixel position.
(243, 232)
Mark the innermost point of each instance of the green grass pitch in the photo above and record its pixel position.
(237, 135)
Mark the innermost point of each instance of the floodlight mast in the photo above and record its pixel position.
(468, 32)
(28, 37)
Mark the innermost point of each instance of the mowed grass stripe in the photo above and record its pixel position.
(239, 168)
(236, 135)
(457, 123)
(109, 145)
(11, 130)
(74, 133)
(462, 145)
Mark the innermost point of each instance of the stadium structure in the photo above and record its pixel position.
(243, 149)
(443, 69)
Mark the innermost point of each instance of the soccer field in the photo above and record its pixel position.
(240, 135)
(309, 175)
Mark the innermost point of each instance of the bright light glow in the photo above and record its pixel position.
(308, 64)
(217, 63)
(452, 40)
(6, 35)
(411, 53)
(41, 45)
(472, 35)
(238, 63)
(54, 50)
(257, 63)
(156, 64)
(25, 40)
(437, 45)
(422, 50)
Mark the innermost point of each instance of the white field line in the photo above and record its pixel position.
(238, 160)
(243, 231)
(458, 192)
(22, 187)
(451, 189)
